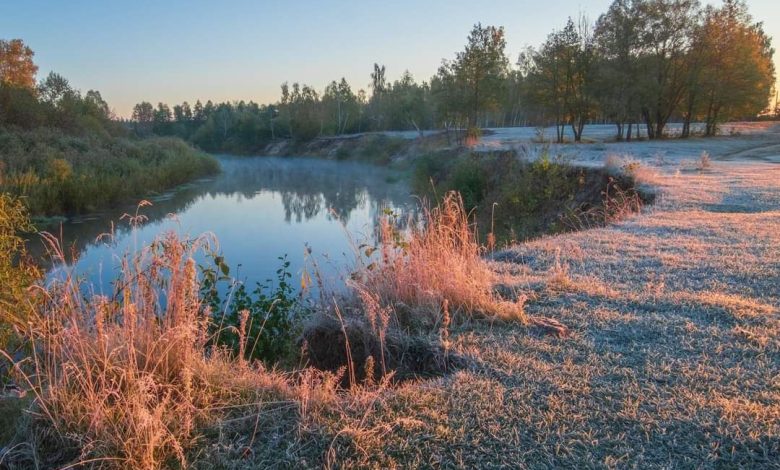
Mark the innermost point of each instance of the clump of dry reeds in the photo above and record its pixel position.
(627, 165)
(437, 261)
(704, 162)
(129, 380)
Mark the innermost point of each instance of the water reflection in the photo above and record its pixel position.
(258, 208)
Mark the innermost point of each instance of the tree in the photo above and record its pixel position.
(578, 60)
(378, 90)
(341, 105)
(54, 88)
(738, 73)
(616, 39)
(547, 80)
(664, 30)
(97, 105)
(186, 112)
(407, 103)
(447, 98)
(143, 116)
(197, 112)
(481, 69)
(20, 107)
(16, 64)
(378, 81)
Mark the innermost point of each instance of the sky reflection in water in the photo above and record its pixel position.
(258, 208)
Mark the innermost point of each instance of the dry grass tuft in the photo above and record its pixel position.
(129, 382)
(704, 162)
(438, 261)
(627, 165)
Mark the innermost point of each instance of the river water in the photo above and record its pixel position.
(258, 208)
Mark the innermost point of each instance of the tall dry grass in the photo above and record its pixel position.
(437, 261)
(128, 382)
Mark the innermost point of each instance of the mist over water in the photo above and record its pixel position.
(258, 209)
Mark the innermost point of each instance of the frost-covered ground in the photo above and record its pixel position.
(606, 132)
(592, 133)
(759, 141)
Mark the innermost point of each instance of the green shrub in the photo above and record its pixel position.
(518, 199)
(470, 180)
(430, 170)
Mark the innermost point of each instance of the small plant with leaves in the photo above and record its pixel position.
(257, 324)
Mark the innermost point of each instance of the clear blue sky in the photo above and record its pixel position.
(179, 50)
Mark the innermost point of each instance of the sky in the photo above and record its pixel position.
(184, 50)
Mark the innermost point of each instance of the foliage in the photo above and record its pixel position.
(55, 104)
(735, 72)
(562, 76)
(57, 173)
(516, 199)
(263, 320)
(644, 62)
(63, 152)
(470, 180)
(17, 68)
(481, 70)
(17, 273)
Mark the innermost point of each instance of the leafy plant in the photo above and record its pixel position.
(257, 324)
(16, 272)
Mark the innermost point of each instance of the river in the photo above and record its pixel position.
(258, 208)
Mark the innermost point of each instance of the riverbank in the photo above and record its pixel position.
(58, 174)
(397, 148)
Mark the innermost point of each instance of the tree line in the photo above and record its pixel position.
(641, 65)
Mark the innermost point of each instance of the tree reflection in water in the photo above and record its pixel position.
(259, 208)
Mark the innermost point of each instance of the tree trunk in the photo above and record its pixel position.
(660, 123)
(649, 124)
(686, 130)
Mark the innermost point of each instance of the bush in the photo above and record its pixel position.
(433, 268)
(470, 180)
(519, 199)
(17, 273)
(431, 171)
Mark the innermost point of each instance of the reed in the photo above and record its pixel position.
(437, 261)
